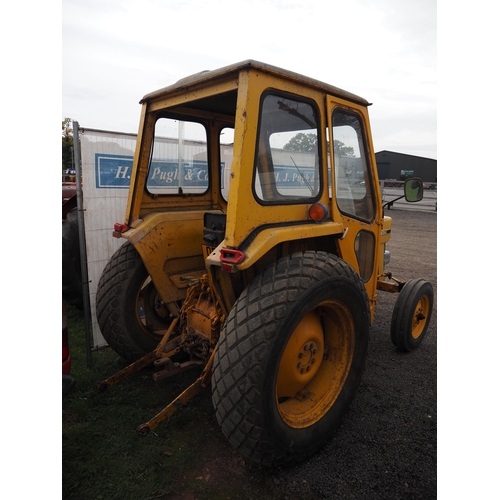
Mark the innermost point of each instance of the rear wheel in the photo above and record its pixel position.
(412, 314)
(71, 267)
(290, 358)
(129, 310)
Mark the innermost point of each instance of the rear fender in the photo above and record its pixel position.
(170, 245)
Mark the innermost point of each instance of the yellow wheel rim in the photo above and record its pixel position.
(315, 364)
(420, 316)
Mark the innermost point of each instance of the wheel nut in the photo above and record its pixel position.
(301, 355)
(308, 368)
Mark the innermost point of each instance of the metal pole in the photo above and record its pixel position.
(83, 246)
(181, 154)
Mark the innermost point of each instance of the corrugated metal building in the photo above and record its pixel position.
(399, 166)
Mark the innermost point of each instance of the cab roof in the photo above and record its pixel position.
(249, 64)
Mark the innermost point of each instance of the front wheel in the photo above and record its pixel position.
(290, 358)
(412, 314)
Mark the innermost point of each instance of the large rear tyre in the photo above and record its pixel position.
(411, 314)
(72, 291)
(129, 311)
(290, 358)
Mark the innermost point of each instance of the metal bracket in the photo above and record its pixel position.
(172, 368)
(386, 286)
(201, 382)
(160, 358)
(141, 363)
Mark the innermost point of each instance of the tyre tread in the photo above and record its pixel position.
(109, 298)
(403, 312)
(258, 309)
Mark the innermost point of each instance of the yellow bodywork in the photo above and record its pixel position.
(167, 230)
(170, 244)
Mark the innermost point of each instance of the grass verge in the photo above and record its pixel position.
(185, 458)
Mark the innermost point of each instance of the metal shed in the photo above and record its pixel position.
(392, 165)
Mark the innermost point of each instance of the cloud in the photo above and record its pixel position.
(114, 52)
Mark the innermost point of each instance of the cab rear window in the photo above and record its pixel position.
(178, 163)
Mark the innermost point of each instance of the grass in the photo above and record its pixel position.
(186, 457)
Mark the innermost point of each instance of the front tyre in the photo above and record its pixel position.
(290, 358)
(412, 314)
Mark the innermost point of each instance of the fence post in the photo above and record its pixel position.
(83, 245)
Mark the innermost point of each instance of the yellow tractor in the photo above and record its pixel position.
(255, 249)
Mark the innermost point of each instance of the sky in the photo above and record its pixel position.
(93, 60)
(115, 52)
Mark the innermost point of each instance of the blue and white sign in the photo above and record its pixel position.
(169, 173)
(113, 171)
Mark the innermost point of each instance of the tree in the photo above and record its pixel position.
(309, 142)
(302, 142)
(342, 150)
(67, 144)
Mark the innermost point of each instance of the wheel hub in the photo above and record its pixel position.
(301, 358)
(307, 357)
(420, 316)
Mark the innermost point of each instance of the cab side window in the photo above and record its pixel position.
(353, 185)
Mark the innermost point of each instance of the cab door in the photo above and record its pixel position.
(354, 193)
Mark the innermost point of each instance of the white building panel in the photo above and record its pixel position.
(103, 206)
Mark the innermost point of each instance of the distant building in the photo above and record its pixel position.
(399, 166)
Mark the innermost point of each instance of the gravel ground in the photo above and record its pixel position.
(387, 445)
